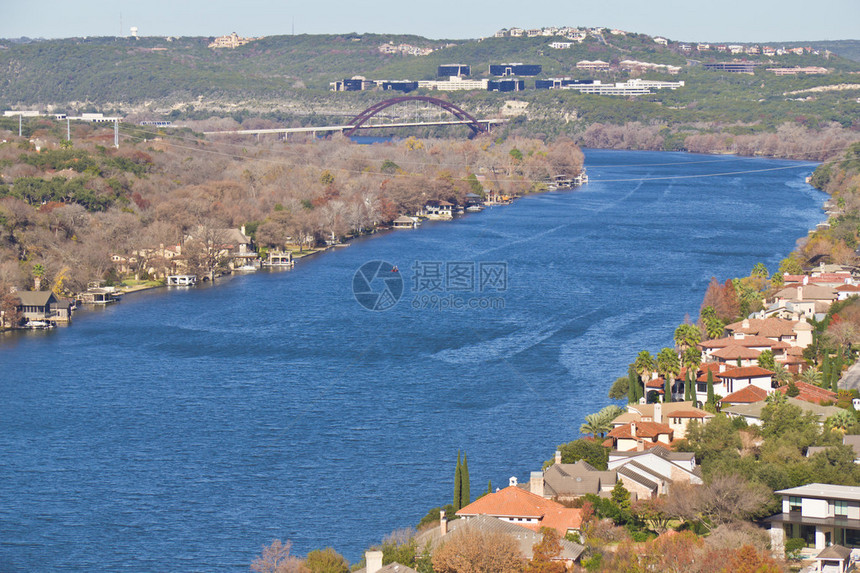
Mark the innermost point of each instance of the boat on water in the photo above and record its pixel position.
(39, 325)
(247, 269)
(474, 208)
(181, 280)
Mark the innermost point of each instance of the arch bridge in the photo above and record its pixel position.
(463, 117)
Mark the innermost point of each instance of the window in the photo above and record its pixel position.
(794, 503)
(840, 508)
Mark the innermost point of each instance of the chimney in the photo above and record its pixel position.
(558, 456)
(443, 525)
(746, 323)
(633, 429)
(658, 412)
(800, 293)
(722, 366)
(37, 283)
(374, 561)
(242, 229)
(536, 483)
(512, 482)
(805, 280)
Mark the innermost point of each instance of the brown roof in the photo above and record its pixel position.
(811, 392)
(35, 298)
(643, 430)
(517, 502)
(747, 341)
(767, 327)
(746, 395)
(735, 351)
(745, 372)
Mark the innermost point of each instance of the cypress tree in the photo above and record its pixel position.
(667, 390)
(489, 486)
(836, 373)
(465, 491)
(632, 382)
(826, 371)
(712, 399)
(458, 491)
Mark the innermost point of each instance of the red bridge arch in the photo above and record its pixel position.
(359, 120)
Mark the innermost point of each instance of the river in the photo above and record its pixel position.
(183, 429)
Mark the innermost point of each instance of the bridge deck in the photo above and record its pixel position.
(345, 127)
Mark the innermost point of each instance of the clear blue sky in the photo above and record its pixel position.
(690, 20)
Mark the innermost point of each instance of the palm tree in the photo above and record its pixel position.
(781, 375)
(841, 421)
(600, 422)
(644, 365)
(668, 366)
(812, 376)
(687, 336)
(714, 327)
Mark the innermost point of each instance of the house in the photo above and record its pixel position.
(42, 305)
(439, 210)
(639, 436)
(794, 332)
(403, 222)
(847, 440)
(752, 412)
(739, 345)
(566, 482)
(834, 559)
(808, 301)
(657, 469)
(518, 506)
(676, 415)
(276, 258)
(526, 538)
(729, 379)
(822, 514)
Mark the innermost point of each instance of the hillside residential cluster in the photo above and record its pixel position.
(643, 441)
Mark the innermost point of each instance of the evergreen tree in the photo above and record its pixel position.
(667, 389)
(465, 489)
(632, 383)
(489, 486)
(689, 395)
(826, 372)
(712, 399)
(458, 485)
(836, 373)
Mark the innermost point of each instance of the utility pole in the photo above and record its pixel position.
(20, 118)
(116, 133)
(68, 129)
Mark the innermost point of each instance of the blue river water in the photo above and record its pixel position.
(181, 430)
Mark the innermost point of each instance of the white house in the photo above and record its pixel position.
(822, 514)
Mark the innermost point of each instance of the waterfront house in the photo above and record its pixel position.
(812, 393)
(797, 333)
(276, 258)
(639, 436)
(729, 379)
(676, 415)
(98, 296)
(439, 210)
(518, 506)
(822, 514)
(566, 482)
(403, 222)
(41, 305)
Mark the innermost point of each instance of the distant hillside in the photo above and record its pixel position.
(286, 80)
(849, 49)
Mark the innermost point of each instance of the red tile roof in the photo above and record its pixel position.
(735, 352)
(745, 372)
(747, 341)
(811, 393)
(514, 502)
(643, 430)
(746, 395)
(767, 327)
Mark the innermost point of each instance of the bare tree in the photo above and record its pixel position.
(276, 558)
(476, 551)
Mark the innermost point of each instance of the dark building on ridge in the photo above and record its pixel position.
(556, 83)
(505, 70)
(509, 85)
(399, 86)
(736, 67)
(448, 70)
